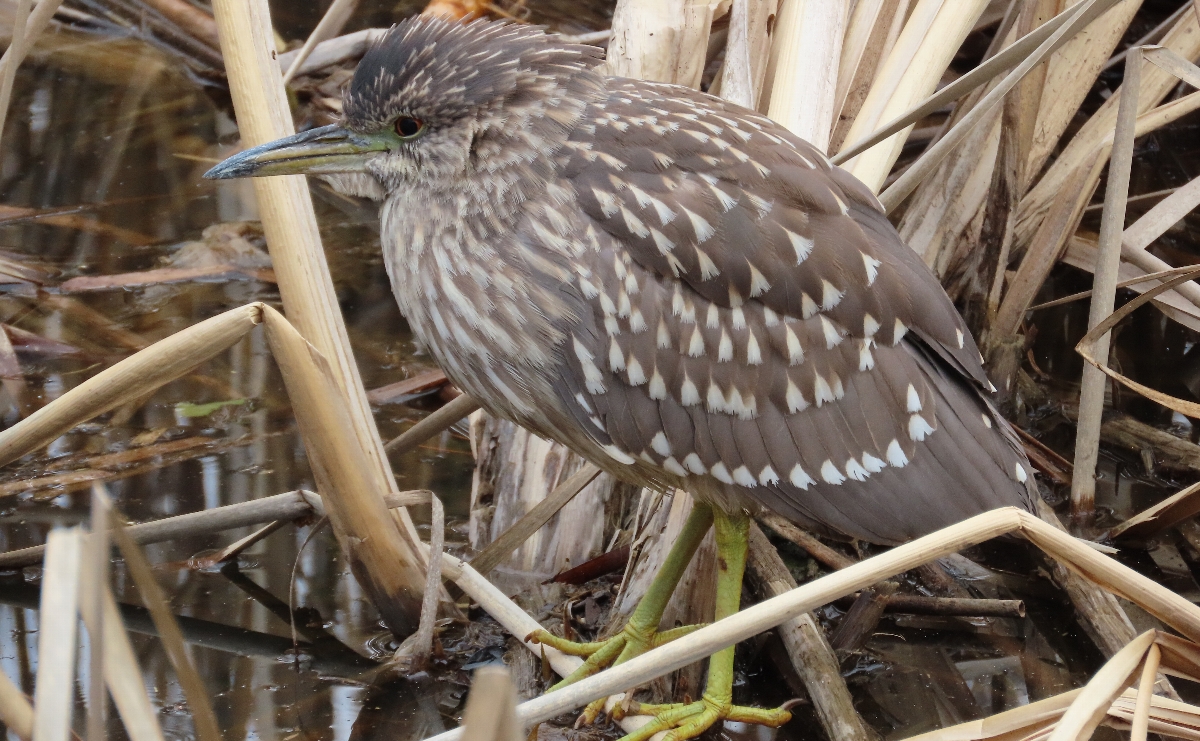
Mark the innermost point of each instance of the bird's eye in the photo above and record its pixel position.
(408, 127)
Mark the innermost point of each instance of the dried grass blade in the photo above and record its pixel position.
(1026, 719)
(129, 379)
(58, 621)
(1104, 289)
(203, 717)
(1141, 712)
(120, 666)
(1088, 709)
(1087, 347)
(981, 75)
(329, 26)
(1169, 61)
(1165, 214)
(533, 520)
(440, 420)
(920, 169)
(1170, 511)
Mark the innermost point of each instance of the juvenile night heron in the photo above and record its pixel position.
(675, 287)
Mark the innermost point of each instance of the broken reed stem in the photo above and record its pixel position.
(305, 286)
(352, 492)
(1159, 601)
(58, 620)
(1104, 288)
(129, 379)
(491, 711)
(433, 582)
(442, 419)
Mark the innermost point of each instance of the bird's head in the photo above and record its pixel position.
(434, 101)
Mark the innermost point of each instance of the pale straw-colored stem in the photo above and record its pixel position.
(931, 37)
(15, 711)
(97, 579)
(306, 288)
(8, 69)
(806, 50)
(329, 26)
(1104, 288)
(58, 621)
(1089, 707)
(1141, 711)
(660, 40)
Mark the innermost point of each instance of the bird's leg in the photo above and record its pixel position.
(689, 720)
(641, 632)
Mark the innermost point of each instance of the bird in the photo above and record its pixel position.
(675, 287)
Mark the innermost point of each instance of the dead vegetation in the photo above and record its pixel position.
(989, 162)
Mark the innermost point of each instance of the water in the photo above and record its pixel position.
(98, 118)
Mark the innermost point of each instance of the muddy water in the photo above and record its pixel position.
(101, 119)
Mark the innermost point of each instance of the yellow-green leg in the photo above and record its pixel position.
(641, 632)
(688, 720)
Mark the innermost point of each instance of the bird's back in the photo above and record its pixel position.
(756, 332)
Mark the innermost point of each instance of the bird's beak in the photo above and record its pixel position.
(328, 149)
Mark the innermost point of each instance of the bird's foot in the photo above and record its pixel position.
(689, 720)
(630, 642)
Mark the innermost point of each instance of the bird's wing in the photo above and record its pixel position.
(758, 327)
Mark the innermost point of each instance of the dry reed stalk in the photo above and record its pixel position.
(306, 288)
(857, 70)
(330, 25)
(8, 71)
(15, 711)
(129, 379)
(1141, 711)
(97, 579)
(1089, 707)
(288, 506)
(904, 185)
(440, 420)
(350, 487)
(511, 539)
(1160, 602)
(203, 717)
(58, 619)
(660, 40)
(931, 37)
(746, 56)
(1094, 138)
(1104, 291)
(491, 711)
(805, 51)
(331, 52)
(1019, 51)
(121, 672)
